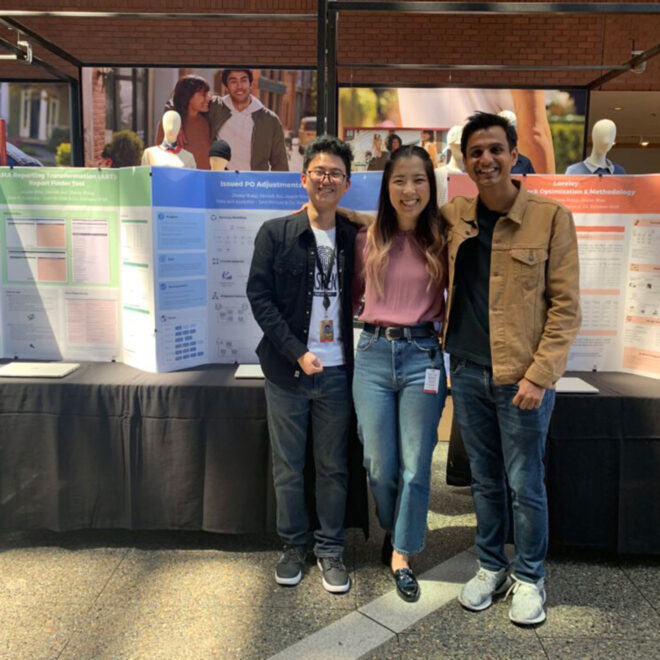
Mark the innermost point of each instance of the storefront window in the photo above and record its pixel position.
(126, 102)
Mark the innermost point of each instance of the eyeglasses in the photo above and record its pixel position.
(336, 176)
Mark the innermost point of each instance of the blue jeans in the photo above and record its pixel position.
(505, 445)
(324, 397)
(398, 426)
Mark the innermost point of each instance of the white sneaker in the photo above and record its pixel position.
(477, 594)
(527, 603)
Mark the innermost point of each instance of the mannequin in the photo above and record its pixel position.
(455, 164)
(523, 164)
(219, 155)
(169, 154)
(603, 136)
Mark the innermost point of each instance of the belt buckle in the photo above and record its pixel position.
(390, 333)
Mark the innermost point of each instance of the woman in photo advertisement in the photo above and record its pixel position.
(399, 386)
(190, 99)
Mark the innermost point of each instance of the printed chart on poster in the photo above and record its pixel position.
(618, 229)
(204, 229)
(60, 293)
(204, 226)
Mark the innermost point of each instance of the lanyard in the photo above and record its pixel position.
(325, 277)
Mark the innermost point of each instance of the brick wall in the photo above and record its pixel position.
(495, 39)
(364, 37)
(568, 40)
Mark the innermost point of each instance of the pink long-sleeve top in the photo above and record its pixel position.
(407, 299)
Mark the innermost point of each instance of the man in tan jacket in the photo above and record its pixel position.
(512, 313)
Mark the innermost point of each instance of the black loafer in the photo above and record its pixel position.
(406, 584)
(386, 550)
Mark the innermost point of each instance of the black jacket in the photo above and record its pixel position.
(281, 290)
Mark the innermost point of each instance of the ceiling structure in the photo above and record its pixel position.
(636, 115)
(511, 44)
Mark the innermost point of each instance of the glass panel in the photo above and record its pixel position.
(125, 104)
(110, 102)
(140, 104)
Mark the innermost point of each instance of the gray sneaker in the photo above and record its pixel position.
(335, 575)
(477, 594)
(527, 603)
(290, 566)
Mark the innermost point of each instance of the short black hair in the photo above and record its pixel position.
(220, 149)
(226, 72)
(328, 144)
(482, 120)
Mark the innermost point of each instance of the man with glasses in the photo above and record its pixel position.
(299, 289)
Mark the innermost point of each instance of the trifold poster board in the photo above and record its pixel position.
(149, 265)
(142, 265)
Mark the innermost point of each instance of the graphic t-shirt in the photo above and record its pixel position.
(324, 333)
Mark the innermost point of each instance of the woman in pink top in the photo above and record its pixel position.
(399, 385)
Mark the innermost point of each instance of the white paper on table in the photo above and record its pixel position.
(38, 369)
(249, 371)
(570, 384)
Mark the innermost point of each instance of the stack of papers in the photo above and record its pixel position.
(38, 369)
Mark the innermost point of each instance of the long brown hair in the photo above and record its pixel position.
(184, 90)
(430, 230)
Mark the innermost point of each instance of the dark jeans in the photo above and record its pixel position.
(504, 444)
(326, 397)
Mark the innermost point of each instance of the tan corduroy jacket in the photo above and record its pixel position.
(534, 307)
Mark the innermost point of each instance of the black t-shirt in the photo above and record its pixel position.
(468, 332)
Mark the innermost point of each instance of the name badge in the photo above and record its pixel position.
(327, 331)
(432, 381)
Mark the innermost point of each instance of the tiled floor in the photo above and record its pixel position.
(161, 595)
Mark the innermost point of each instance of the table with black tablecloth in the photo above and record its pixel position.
(603, 465)
(110, 446)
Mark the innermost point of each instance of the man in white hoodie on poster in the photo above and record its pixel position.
(253, 132)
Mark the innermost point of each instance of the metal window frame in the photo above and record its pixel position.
(9, 19)
(327, 96)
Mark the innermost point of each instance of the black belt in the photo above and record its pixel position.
(401, 332)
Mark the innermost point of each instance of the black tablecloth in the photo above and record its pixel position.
(603, 465)
(111, 446)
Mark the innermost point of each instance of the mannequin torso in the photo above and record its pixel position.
(603, 135)
(169, 154)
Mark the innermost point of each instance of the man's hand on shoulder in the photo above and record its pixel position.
(310, 364)
(529, 395)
